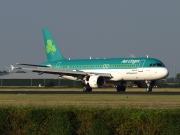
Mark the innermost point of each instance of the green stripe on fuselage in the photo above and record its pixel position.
(110, 63)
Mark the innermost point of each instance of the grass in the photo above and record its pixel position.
(62, 120)
(97, 100)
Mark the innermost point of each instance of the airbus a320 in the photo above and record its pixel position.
(96, 73)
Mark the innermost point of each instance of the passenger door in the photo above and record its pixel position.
(141, 64)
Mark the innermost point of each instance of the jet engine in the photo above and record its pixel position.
(95, 81)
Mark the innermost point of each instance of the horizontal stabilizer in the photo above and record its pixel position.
(12, 67)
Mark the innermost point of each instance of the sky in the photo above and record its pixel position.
(96, 28)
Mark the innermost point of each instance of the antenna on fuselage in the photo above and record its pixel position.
(132, 55)
(90, 57)
(69, 58)
(147, 56)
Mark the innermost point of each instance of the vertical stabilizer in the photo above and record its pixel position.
(52, 51)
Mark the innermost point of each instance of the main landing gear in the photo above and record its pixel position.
(86, 86)
(121, 87)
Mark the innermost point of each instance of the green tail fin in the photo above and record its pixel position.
(52, 51)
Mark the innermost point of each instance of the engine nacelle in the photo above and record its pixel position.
(96, 81)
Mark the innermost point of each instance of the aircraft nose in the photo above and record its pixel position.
(164, 72)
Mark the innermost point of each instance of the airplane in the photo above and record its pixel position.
(95, 73)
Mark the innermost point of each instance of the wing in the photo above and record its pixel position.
(49, 70)
(31, 65)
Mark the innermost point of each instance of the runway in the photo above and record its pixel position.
(94, 92)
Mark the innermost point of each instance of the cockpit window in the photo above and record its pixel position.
(156, 65)
(159, 65)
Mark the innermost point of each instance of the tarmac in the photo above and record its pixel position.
(81, 92)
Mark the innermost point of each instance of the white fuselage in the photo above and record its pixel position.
(130, 74)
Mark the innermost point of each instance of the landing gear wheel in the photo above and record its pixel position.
(84, 89)
(149, 89)
(120, 88)
(89, 89)
(123, 88)
(150, 85)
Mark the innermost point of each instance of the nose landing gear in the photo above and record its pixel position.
(150, 85)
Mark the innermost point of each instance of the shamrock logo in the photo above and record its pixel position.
(50, 47)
